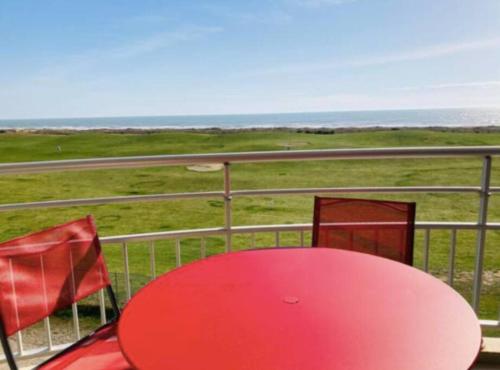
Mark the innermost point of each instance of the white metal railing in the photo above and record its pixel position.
(227, 231)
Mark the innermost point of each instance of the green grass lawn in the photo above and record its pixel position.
(187, 214)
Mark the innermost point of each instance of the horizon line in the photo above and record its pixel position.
(252, 114)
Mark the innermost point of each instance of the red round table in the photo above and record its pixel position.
(298, 309)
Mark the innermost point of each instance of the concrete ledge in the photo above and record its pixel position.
(490, 354)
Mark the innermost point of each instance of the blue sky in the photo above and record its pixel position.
(62, 58)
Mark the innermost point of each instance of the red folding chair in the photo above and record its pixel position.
(379, 227)
(49, 270)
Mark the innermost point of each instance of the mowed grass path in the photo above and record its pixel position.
(186, 214)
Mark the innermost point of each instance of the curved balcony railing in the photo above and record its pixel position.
(228, 230)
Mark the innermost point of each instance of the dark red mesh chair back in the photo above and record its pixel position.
(382, 228)
(49, 270)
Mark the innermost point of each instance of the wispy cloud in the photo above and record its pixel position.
(457, 85)
(147, 18)
(273, 17)
(322, 3)
(160, 41)
(428, 52)
(153, 43)
(144, 20)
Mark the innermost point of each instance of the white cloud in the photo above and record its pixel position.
(377, 100)
(93, 99)
(455, 85)
(428, 52)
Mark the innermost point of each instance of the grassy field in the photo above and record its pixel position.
(185, 214)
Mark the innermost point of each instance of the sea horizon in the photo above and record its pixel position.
(395, 118)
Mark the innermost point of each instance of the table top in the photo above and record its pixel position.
(298, 309)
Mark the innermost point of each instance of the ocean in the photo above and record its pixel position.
(470, 117)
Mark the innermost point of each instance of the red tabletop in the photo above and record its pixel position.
(298, 309)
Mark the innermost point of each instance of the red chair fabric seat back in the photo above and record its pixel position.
(383, 228)
(47, 271)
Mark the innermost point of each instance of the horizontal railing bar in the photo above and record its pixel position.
(490, 323)
(418, 225)
(161, 235)
(109, 200)
(212, 194)
(264, 156)
(38, 352)
(386, 189)
(495, 189)
(455, 225)
(272, 228)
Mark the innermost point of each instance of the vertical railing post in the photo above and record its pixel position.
(227, 207)
(451, 257)
(481, 232)
(128, 288)
(178, 261)
(102, 307)
(152, 260)
(427, 242)
(203, 248)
